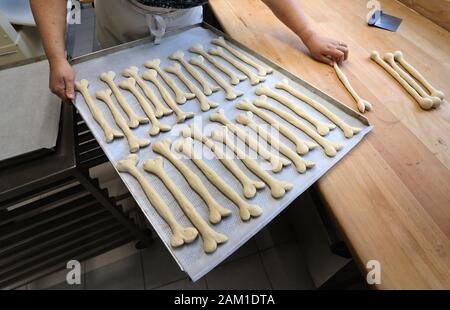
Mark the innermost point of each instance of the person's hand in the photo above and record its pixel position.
(326, 50)
(62, 80)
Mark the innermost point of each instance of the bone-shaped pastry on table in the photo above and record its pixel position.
(254, 78)
(278, 188)
(348, 130)
(246, 210)
(210, 237)
(249, 186)
(180, 96)
(301, 165)
(276, 162)
(205, 103)
(180, 234)
(134, 143)
(156, 126)
(109, 132)
(208, 89)
(322, 128)
(216, 212)
(262, 70)
(160, 109)
(424, 103)
(235, 78)
(230, 93)
(181, 116)
(301, 147)
(330, 148)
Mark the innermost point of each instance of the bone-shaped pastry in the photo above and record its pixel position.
(180, 234)
(322, 129)
(301, 165)
(262, 70)
(181, 116)
(210, 237)
(389, 58)
(348, 130)
(180, 96)
(424, 103)
(208, 89)
(249, 186)
(235, 78)
(160, 109)
(246, 210)
(205, 103)
(157, 127)
(254, 78)
(109, 132)
(133, 142)
(414, 72)
(230, 93)
(302, 147)
(216, 212)
(277, 162)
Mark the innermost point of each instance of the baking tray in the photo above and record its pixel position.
(191, 258)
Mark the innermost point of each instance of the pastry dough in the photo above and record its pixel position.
(180, 96)
(249, 186)
(301, 165)
(276, 162)
(160, 109)
(210, 237)
(205, 104)
(322, 129)
(181, 116)
(208, 89)
(262, 70)
(230, 93)
(157, 127)
(235, 78)
(348, 130)
(110, 133)
(246, 210)
(216, 212)
(302, 147)
(180, 234)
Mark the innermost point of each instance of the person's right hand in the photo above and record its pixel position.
(62, 80)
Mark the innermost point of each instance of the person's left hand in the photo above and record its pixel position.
(326, 50)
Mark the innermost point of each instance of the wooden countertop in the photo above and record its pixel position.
(390, 197)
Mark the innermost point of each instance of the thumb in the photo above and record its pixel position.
(70, 88)
(326, 60)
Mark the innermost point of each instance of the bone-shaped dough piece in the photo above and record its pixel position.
(181, 116)
(210, 237)
(134, 120)
(134, 143)
(348, 130)
(414, 72)
(235, 78)
(254, 78)
(157, 127)
(249, 186)
(180, 234)
(208, 89)
(331, 148)
(302, 147)
(205, 103)
(262, 70)
(322, 128)
(246, 210)
(277, 162)
(424, 103)
(180, 96)
(216, 212)
(160, 109)
(230, 93)
(301, 165)
(389, 58)
(110, 133)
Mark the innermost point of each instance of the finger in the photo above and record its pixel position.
(344, 49)
(69, 88)
(336, 54)
(325, 60)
